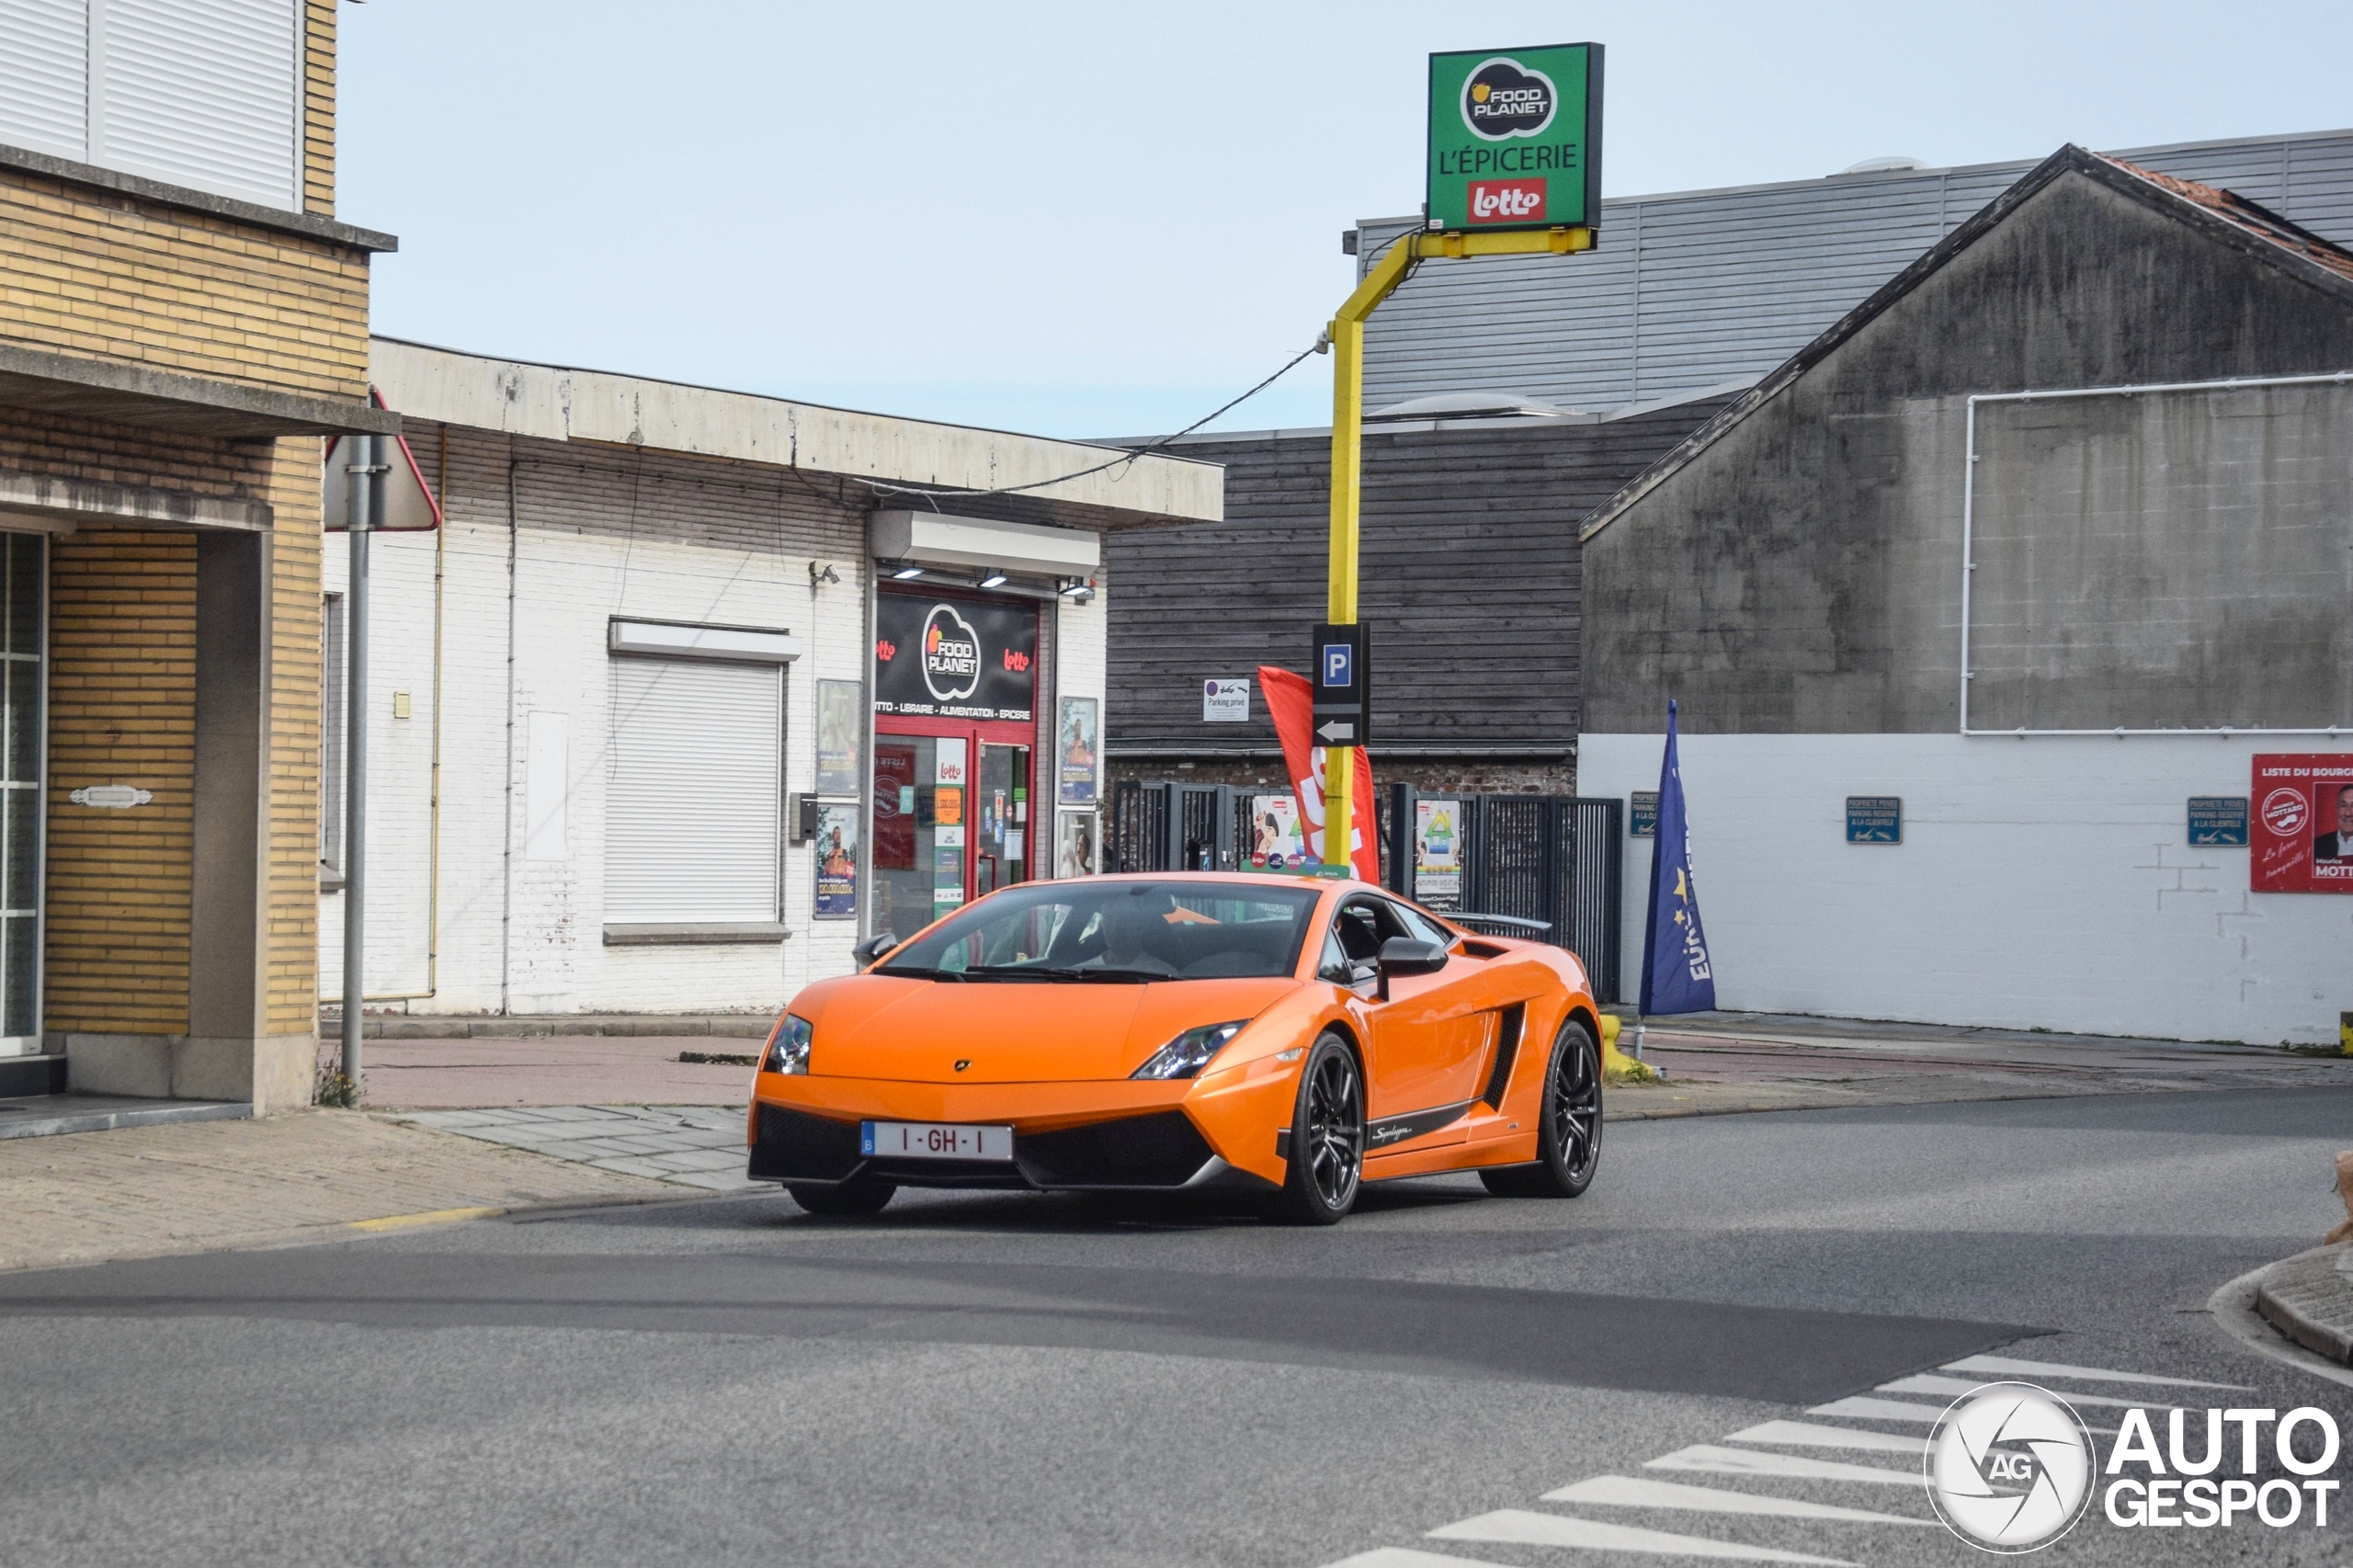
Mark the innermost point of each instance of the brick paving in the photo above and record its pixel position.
(551, 1070)
(200, 1186)
(696, 1145)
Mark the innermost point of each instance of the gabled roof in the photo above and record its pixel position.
(2223, 215)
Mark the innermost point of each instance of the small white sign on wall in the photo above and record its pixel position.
(948, 762)
(544, 773)
(1225, 702)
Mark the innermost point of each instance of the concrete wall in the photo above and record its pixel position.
(1801, 573)
(2044, 883)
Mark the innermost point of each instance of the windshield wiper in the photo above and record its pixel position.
(915, 972)
(1073, 972)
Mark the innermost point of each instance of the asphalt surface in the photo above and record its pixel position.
(981, 1380)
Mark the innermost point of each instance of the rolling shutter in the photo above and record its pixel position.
(200, 93)
(44, 76)
(692, 815)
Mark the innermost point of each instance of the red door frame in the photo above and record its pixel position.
(974, 734)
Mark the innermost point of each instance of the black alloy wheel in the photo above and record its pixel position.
(859, 1196)
(1568, 1140)
(1326, 1138)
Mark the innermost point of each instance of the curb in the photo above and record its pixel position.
(2309, 1298)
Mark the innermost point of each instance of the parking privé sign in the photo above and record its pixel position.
(1515, 138)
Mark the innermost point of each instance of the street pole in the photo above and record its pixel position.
(366, 486)
(1346, 335)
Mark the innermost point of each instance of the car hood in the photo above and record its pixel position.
(918, 1030)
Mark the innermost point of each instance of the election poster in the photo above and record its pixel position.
(2304, 823)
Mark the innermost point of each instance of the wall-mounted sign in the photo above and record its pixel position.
(2303, 824)
(841, 737)
(1642, 814)
(955, 658)
(1225, 702)
(1438, 854)
(836, 862)
(1076, 746)
(2218, 822)
(1874, 818)
(1515, 138)
(112, 797)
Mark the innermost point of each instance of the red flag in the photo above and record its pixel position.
(1292, 702)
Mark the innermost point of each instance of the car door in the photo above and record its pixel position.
(1427, 1040)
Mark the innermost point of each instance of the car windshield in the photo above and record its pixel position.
(1088, 931)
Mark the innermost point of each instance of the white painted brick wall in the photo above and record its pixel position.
(2044, 883)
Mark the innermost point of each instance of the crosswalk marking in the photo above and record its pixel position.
(1930, 1383)
(1809, 1435)
(1406, 1557)
(2015, 1367)
(1636, 1492)
(1526, 1528)
(1748, 1461)
(1883, 1410)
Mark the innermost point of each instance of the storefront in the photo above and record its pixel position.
(955, 743)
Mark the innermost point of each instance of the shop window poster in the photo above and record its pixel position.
(1074, 852)
(836, 860)
(841, 735)
(1078, 749)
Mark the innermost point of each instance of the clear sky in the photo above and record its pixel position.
(1108, 218)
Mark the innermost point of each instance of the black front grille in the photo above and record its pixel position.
(1161, 1150)
(795, 1146)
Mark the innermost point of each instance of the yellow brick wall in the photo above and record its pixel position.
(294, 853)
(318, 107)
(104, 276)
(122, 710)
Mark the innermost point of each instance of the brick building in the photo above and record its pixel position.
(182, 318)
(656, 619)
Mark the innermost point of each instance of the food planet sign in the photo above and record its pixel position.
(1515, 138)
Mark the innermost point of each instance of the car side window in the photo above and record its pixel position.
(1421, 927)
(1333, 966)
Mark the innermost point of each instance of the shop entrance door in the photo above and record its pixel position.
(951, 820)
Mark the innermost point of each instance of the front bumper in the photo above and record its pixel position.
(1155, 1152)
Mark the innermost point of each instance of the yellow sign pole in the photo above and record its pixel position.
(1346, 334)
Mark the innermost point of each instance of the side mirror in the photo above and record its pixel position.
(1404, 955)
(873, 948)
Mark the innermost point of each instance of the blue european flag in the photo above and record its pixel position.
(1677, 975)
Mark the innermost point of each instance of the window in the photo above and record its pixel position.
(205, 94)
(335, 690)
(693, 811)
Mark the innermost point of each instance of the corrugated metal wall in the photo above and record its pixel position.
(1696, 288)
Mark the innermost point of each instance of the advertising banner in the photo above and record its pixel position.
(1076, 750)
(955, 658)
(1515, 138)
(2303, 824)
(1678, 976)
(1274, 842)
(836, 860)
(1438, 854)
(1291, 701)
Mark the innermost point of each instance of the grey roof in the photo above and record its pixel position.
(2224, 215)
(1694, 288)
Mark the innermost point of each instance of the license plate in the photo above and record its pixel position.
(933, 1140)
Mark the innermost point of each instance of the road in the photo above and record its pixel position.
(983, 1380)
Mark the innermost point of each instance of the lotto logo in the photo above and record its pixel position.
(1507, 201)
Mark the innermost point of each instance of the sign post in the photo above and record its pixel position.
(1514, 168)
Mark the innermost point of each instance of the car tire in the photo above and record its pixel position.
(856, 1198)
(1568, 1138)
(1326, 1165)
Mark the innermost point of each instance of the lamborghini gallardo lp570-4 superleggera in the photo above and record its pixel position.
(1285, 1038)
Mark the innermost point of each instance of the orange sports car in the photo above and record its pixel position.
(1285, 1036)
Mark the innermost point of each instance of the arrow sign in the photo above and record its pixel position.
(1333, 731)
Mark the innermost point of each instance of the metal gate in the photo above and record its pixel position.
(1558, 859)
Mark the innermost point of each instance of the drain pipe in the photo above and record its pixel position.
(367, 488)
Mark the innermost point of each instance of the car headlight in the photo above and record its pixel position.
(1189, 1052)
(787, 1048)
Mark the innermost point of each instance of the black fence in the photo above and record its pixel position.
(1554, 860)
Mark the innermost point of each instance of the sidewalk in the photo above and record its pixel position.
(210, 1185)
(541, 1069)
(2309, 1298)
